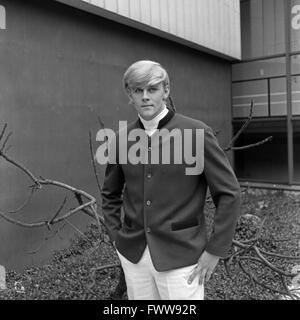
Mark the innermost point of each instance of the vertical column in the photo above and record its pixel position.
(287, 15)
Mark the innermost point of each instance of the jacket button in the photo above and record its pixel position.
(149, 175)
(149, 148)
(148, 202)
(148, 230)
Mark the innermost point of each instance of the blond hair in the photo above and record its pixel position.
(145, 73)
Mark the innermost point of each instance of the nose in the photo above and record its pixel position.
(145, 95)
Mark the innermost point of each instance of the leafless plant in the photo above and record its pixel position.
(242, 254)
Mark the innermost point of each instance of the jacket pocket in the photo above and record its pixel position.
(184, 224)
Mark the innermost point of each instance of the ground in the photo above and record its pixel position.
(72, 274)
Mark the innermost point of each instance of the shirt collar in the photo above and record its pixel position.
(153, 123)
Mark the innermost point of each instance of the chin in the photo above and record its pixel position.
(147, 115)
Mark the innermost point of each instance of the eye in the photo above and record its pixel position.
(137, 90)
(152, 89)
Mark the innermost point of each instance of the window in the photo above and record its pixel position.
(244, 92)
(267, 162)
(278, 97)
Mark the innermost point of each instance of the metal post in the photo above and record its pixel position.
(287, 14)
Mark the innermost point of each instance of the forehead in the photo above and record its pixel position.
(156, 84)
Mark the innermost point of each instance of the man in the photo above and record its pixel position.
(161, 240)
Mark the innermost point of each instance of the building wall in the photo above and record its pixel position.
(60, 69)
(212, 24)
(262, 77)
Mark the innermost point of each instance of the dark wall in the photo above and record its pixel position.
(60, 69)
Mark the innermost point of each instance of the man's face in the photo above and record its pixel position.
(149, 101)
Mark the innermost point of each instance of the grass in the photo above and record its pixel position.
(69, 275)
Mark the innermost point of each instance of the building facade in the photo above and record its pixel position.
(61, 67)
(268, 74)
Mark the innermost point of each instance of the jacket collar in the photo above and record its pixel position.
(161, 123)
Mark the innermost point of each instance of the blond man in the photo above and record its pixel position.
(161, 240)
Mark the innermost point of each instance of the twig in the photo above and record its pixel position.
(3, 131)
(266, 263)
(46, 238)
(244, 126)
(260, 283)
(270, 265)
(252, 145)
(5, 142)
(88, 210)
(57, 213)
(277, 255)
(21, 167)
(94, 164)
(44, 223)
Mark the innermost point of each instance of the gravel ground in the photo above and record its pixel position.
(71, 273)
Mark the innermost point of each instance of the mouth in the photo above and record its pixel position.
(147, 105)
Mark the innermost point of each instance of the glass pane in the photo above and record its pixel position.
(295, 25)
(258, 69)
(296, 142)
(262, 28)
(295, 64)
(244, 92)
(296, 95)
(267, 162)
(278, 97)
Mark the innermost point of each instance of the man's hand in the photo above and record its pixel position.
(206, 265)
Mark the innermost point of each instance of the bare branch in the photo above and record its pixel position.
(3, 131)
(57, 213)
(88, 211)
(94, 164)
(46, 238)
(277, 255)
(5, 142)
(21, 167)
(262, 284)
(244, 126)
(252, 145)
(270, 265)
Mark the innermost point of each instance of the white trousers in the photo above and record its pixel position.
(145, 283)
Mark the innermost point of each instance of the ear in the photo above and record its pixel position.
(166, 92)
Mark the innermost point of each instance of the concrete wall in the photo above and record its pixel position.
(213, 24)
(60, 69)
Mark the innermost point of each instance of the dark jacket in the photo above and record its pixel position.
(163, 207)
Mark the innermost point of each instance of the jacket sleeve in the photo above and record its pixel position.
(112, 200)
(225, 192)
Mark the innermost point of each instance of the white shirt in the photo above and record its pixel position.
(151, 125)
